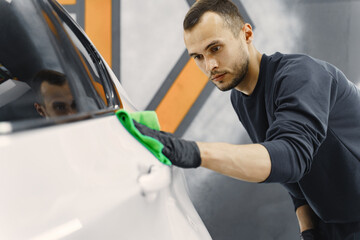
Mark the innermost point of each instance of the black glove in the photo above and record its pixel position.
(311, 234)
(181, 153)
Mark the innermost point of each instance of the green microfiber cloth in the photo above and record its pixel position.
(149, 119)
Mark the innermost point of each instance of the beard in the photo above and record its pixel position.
(240, 72)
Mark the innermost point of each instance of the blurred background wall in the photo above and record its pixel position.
(142, 41)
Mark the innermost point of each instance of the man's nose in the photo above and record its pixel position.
(71, 110)
(211, 64)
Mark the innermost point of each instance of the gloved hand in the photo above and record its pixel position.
(181, 153)
(311, 234)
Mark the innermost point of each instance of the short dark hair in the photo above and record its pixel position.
(225, 8)
(50, 76)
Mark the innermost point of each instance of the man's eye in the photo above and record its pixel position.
(197, 57)
(215, 49)
(60, 107)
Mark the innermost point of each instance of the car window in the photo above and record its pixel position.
(89, 59)
(48, 69)
(89, 56)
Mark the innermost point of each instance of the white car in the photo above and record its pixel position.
(68, 168)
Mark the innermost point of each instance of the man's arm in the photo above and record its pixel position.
(308, 223)
(245, 162)
(306, 217)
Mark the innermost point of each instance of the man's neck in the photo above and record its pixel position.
(248, 85)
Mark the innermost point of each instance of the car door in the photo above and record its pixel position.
(78, 175)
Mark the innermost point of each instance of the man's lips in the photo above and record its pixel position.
(218, 77)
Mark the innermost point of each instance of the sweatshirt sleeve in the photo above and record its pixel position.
(303, 98)
(296, 194)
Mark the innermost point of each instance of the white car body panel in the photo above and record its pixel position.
(88, 179)
(82, 180)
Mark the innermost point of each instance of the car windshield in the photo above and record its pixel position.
(48, 68)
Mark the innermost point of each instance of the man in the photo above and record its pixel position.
(301, 113)
(53, 94)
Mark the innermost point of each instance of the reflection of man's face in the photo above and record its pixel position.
(57, 100)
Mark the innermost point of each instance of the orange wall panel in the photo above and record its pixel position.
(98, 26)
(67, 2)
(181, 96)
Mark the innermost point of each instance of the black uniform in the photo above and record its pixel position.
(307, 115)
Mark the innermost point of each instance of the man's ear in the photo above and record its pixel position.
(249, 35)
(40, 109)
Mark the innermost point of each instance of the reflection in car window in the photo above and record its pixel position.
(49, 69)
(89, 59)
(53, 94)
(82, 50)
(98, 75)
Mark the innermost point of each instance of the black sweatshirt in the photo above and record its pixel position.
(307, 115)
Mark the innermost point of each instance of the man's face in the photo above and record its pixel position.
(223, 57)
(57, 100)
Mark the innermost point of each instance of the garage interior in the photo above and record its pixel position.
(142, 41)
